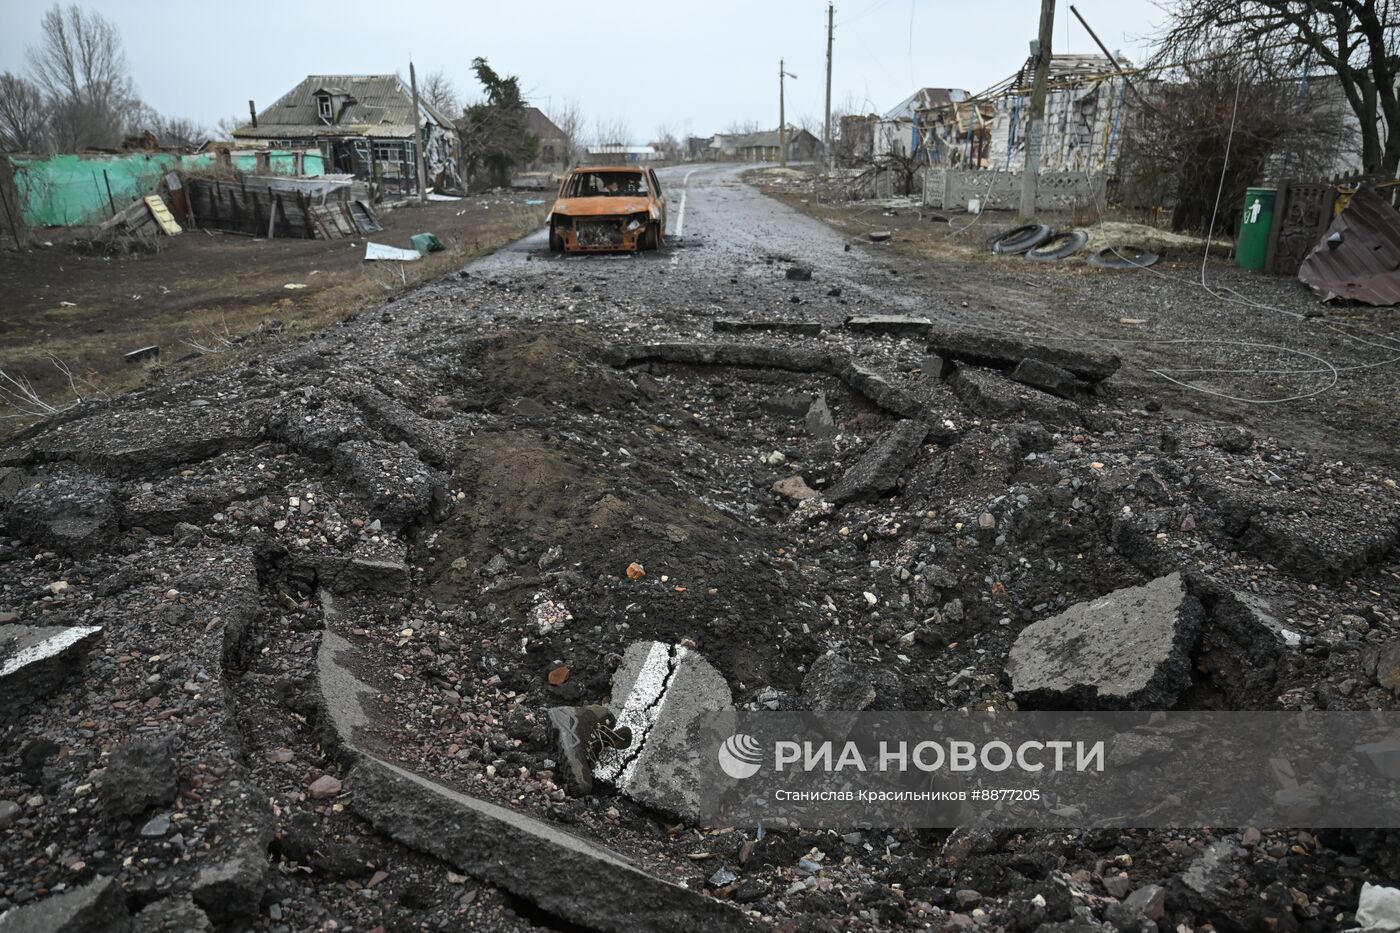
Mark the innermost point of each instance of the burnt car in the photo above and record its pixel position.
(605, 208)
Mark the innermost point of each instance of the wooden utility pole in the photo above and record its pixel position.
(826, 124)
(417, 136)
(1035, 123)
(782, 113)
(782, 117)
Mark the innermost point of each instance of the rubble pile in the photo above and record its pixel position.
(324, 604)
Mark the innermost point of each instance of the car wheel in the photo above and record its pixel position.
(556, 242)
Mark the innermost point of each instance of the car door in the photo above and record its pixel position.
(660, 197)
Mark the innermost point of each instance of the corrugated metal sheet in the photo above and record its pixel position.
(1364, 263)
(375, 104)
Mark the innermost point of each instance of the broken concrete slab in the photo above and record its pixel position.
(1048, 377)
(877, 472)
(794, 359)
(34, 660)
(1001, 352)
(67, 508)
(126, 441)
(818, 419)
(562, 874)
(392, 481)
(657, 692)
(96, 907)
(740, 325)
(896, 324)
(993, 396)
(432, 441)
(1127, 650)
(231, 888)
(172, 915)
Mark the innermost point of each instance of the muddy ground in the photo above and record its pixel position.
(204, 295)
(432, 510)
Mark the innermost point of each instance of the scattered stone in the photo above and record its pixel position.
(835, 683)
(896, 324)
(1127, 650)
(1142, 907)
(794, 487)
(548, 616)
(635, 571)
(324, 787)
(877, 472)
(156, 826)
(1383, 664)
(721, 878)
(1048, 378)
(9, 812)
(799, 274)
(140, 774)
(1001, 352)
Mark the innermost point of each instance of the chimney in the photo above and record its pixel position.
(253, 112)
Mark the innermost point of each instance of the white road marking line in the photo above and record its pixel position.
(680, 217)
(639, 710)
(47, 648)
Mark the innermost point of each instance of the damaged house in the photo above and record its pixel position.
(1084, 110)
(365, 126)
(899, 133)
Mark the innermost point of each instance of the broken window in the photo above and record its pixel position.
(388, 152)
(323, 106)
(606, 184)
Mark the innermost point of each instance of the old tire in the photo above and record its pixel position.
(1019, 239)
(1123, 257)
(1070, 242)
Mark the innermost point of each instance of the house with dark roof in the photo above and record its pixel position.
(365, 126)
(802, 146)
(553, 153)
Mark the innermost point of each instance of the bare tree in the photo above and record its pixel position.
(441, 93)
(568, 116)
(1174, 149)
(665, 141)
(612, 132)
(23, 117)
(743, 127)
(1354, 39)
(80, 66)
(226, 125)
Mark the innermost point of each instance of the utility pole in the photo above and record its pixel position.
(417, 135)
(782, 113)
(1035, 123)
(826, 125)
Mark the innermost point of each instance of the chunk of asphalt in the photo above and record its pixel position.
(559, 872)
(565, 875)
(799, 274)
(897, 324)
(658, 691)
(1047, 377)
(818, 419)
(739, 326)
(1127, 650)
(878, 471)
(96, 907)
(992, 395)
(835, 683)
(1000, 352)
(67, 508)
(34, 660)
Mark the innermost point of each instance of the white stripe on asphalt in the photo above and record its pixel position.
(680, 218)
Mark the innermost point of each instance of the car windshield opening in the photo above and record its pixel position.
(606, 185)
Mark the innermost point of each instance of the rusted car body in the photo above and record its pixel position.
(608, 208)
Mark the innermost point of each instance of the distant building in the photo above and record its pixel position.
(802, 146)
(553, 154)
(364, 126)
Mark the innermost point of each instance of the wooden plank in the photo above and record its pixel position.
(162, 215)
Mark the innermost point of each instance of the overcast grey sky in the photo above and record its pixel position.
(695, 66)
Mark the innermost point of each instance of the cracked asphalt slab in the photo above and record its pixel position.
(339, 590)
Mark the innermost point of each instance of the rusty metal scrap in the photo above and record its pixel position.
(1358, 258)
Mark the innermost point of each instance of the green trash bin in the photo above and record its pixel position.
(1252, 247)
